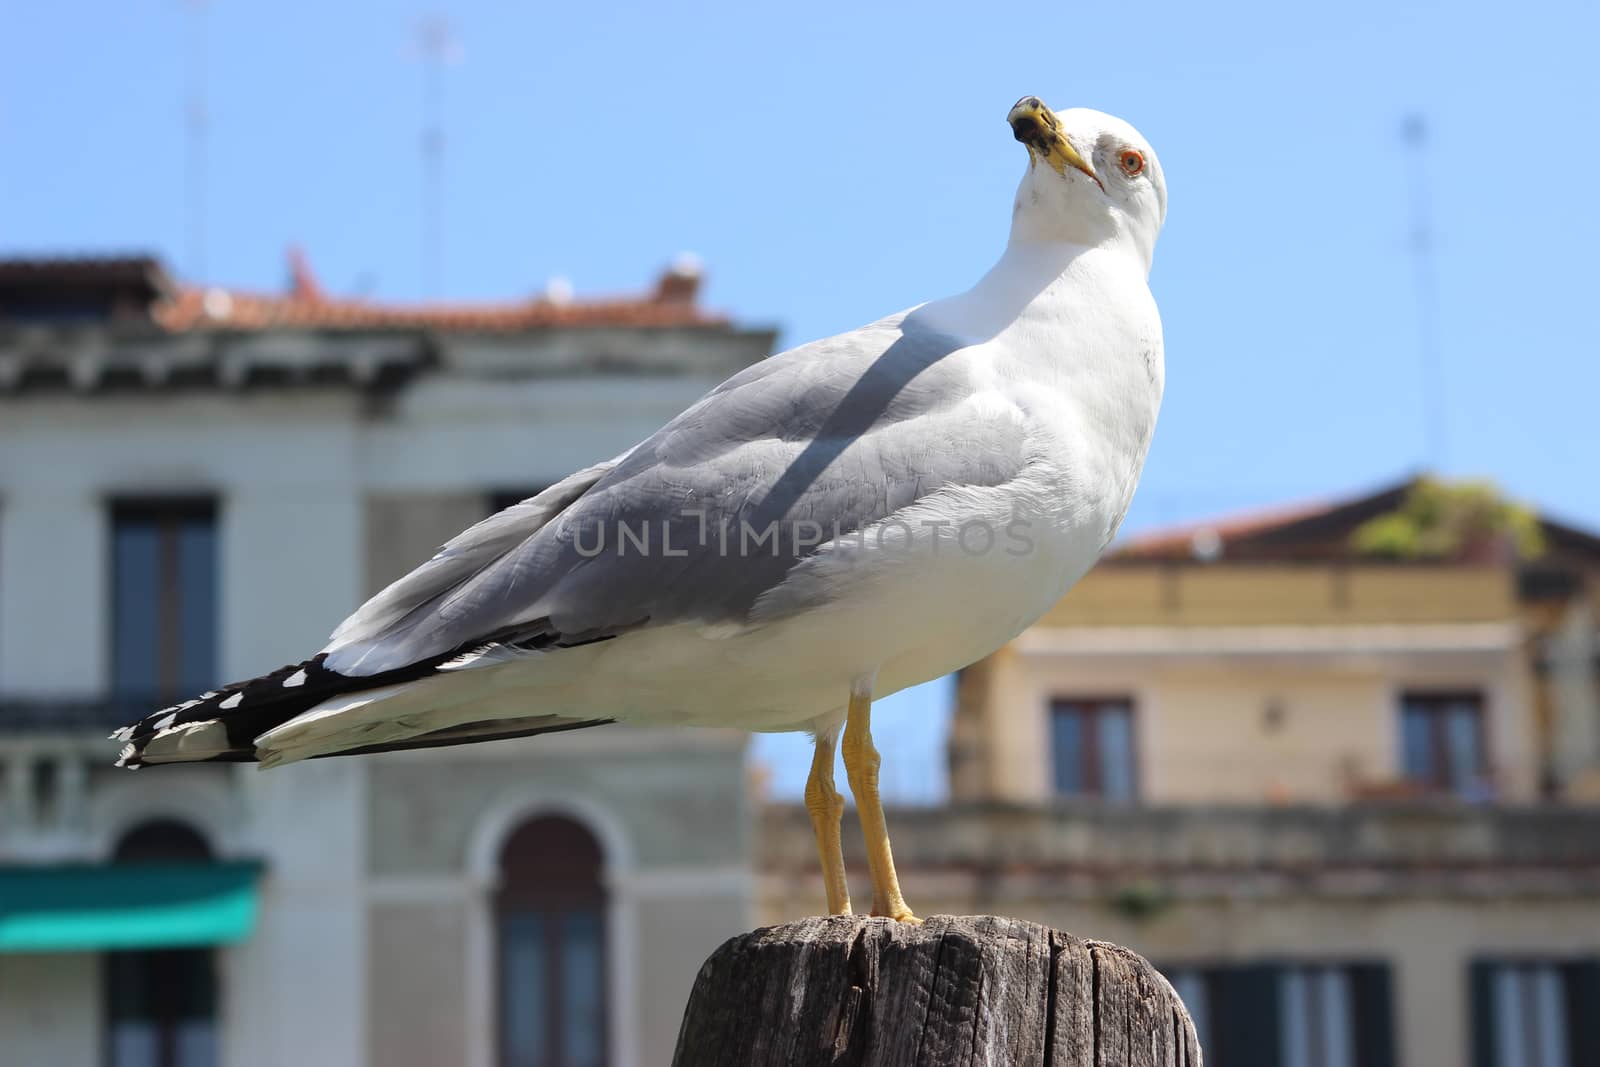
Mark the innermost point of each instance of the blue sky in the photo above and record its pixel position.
(832, 162)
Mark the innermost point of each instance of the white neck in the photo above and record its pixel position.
(1047, 216)
(1025, 272)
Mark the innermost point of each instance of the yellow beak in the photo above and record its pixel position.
(1037, 127)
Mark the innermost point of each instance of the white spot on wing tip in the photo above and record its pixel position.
(231, 702)
(297, 678)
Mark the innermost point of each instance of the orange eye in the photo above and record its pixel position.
(1132, 162)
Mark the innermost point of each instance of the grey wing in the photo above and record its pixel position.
(463, 557)
(701, 519)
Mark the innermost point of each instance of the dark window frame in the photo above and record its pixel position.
(552, 871)
(1436, 706)
(163, 988)
(168, 513)
(1244, 1019)
(1578, 975)
(502, 497)
(1090, 710)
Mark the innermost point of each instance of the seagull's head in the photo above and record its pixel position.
(1091, 179)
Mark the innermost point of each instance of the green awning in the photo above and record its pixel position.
(80, 908)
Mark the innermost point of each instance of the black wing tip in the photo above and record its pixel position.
(250, 708)
(279, 695)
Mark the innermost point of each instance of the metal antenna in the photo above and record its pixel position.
(437, 46)
(1414, 132)
(196, 125)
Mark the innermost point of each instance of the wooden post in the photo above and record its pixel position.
(955, 991)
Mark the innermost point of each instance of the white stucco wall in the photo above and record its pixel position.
(286, 478)
(40, 528)
(291, 472)
(50, 1009)
(296, 991)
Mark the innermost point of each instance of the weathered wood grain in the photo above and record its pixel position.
(851, 991)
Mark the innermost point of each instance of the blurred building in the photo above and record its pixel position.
(1346, 805)
(196, 484)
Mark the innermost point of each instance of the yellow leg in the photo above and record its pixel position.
(827, 809)
(861, 762)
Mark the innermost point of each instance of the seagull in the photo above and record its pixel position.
(837, 522)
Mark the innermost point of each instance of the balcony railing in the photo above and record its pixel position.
(31, 715)
(1437, 845)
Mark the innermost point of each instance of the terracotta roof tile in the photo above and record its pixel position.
(1179, 541)
(197, 308)
(181, 308)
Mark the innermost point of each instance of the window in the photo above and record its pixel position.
(500, 499)
(161, 1004)
(552, 947)
(1314, 1003)
(1290, 1014)
(1442, 745)
(1092, 742)
(1535, 1013)
(164, 600)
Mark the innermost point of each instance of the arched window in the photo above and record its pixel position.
(161, 1004)
(162, 841)
(551, 935)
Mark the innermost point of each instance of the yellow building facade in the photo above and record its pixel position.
(1254, 683)
(1345, 804)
